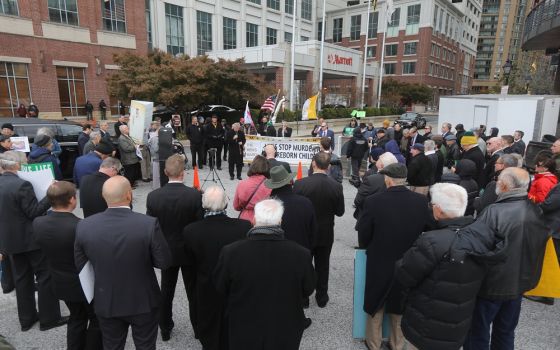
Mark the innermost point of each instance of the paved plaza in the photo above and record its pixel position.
(539, 327)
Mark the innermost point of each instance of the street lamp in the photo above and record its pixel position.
(507, 69)
(528, 80)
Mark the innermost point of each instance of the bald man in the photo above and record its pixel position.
(123, 248)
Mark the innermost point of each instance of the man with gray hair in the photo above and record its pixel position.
(204, 240)
(520, 223)
(129, 159)
(94, 139)
(265, 279)
(489, 195)
(443, 272)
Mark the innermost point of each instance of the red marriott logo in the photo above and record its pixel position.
(336, 59)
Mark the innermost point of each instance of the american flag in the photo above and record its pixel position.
(269, 104)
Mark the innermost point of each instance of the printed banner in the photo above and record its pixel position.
(140, 119)
(40, 175)
(290, 150)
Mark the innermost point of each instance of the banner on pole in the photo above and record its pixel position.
(290, 150)
(309, 109)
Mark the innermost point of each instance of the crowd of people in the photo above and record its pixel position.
(453, 227)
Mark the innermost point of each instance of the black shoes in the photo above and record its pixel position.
(61, 322)
(239, 178)
(165, 335)
(306, 303)
(322, 301)
(231, 178)
(11, 289)
(306, 323)
(219, 168)
(542, 300)
(29, 326)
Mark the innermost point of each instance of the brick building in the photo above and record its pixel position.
(58, 54)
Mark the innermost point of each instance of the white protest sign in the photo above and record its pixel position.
(20, 143)
(290, 150)
(140, 119)
(40, 175)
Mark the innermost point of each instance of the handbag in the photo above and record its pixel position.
(251, 197)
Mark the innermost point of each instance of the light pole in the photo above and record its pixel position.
(528, 80)
(507, 70)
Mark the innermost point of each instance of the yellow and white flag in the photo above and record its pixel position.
(309, 109)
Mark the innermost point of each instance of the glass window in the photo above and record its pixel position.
(391, 49)
(174, 29)
(390, 68)
(355, 27)
(9, 7)
(288, 37)
(409, 68)
(273, 4)
(440, 20)
(14, 88)
(258, 2)
(304, 38)
(289, 6)
(230, 33)
(337, 30)
(271, 36)
(371, 51)
(63, 11)
(306, 9)
(252, 35)
(410, 48)
(412, 19)
(203, 32)
(149, 23)
(373, 23)
(393, 27)
(434, 24)
(113, 13)
(320, 31)
(71, 90)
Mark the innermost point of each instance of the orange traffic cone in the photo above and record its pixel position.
(299, 172)
(196, 180)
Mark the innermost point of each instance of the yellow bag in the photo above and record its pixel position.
(549, 284)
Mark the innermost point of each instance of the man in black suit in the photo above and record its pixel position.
(235, 141)
(265, 279)
(104, 130)
(55, 233)
(91, 199)
(386, 236)
(195, 135)
(175, 206)
(121, 121)
(270, 153)
(123, 248)
(328, 201)
(214, 135)
(204, 240)
(285, 130)
(83, 138)
(18, 208)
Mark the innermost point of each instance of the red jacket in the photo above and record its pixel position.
(242, 201)
(542, 184)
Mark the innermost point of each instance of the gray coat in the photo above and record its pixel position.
(127, 150)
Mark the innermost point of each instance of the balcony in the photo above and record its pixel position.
(542, 27)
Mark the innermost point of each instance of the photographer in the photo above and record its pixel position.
(214, 135)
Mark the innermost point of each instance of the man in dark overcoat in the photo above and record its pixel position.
(235, 142)
(214, 136)
(265, 279)
(91, 199)
(204, 240)
(175, 206)
(386, 235)
(328, 200)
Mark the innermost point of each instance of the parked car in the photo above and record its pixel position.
(410, 119)
(66, 133)
(230, 114)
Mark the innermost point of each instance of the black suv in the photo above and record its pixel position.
(410, 119)
(66, 133)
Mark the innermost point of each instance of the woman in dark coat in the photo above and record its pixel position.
(357, 148)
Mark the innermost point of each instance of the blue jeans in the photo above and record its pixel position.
(503, 315)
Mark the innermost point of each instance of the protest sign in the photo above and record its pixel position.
(40, 175)
(290, 150)
(20, 143)
(140, 119)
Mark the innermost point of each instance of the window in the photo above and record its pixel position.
(289, 6)
(14, 88)
(319, 31)
(390, 68)
(113, 13)
(306, 9)
(273, 4)
(71, 90)
(304, 38)
(355, 27)
(371, 51)
(9, 7)
(440, 20)
(393, 27)
(288, 37)
(373, 22)
(252, 35)
(412, 19)
(410, 48)
(434, 24)
(149, 23)
(446, 32)
(271, 36)
(431, 69)
(175, 38)
(203, 32)
(258, 2)
(63, 11)
(391, 49)
(337, 30)
(230, 33)
(409, 68)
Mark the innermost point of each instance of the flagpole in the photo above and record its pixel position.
(365, 54)
(382, 56)
(293, 68)
(321, 54)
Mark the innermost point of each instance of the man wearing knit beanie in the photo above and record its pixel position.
(471, 151)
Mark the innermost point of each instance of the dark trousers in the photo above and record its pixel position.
(219, 156)
(235, 161)
(196, 153)
(132, 172)
(163, 179)
(168, 283)
(356, 164)
(502, 315)
(7, 274)
(27, 267)
(83, 328)
(225, 152)
(115, 331)
(321, 260)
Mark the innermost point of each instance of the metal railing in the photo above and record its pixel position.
(545, 11)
